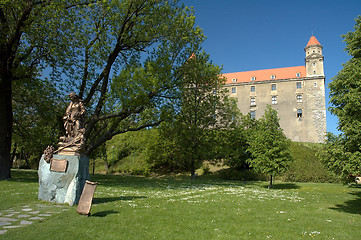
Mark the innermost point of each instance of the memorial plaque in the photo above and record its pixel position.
(86, 198)
(58, 165)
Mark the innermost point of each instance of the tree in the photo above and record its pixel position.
(30, 35)
(268, 145)
(231, 146)
(345, 91)
(37, 119)
(121, 57)
(203, 109)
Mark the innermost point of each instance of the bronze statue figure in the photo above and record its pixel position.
(73, 141)
(74, 117)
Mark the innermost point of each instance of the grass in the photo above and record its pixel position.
(130, 207)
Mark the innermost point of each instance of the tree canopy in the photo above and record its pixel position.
(343, 152)
(204, 108)
(121, 57)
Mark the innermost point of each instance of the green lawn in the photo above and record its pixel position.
(128, 207)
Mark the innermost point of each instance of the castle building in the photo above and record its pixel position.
(297, 93)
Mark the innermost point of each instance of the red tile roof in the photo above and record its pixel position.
(264, 75)
(313, 41)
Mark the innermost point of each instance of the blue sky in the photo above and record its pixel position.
(261, 34)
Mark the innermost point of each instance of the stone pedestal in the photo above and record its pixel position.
(63, 184)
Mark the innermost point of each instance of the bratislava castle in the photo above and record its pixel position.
(297, 93)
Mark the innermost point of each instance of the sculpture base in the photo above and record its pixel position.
(63, 185)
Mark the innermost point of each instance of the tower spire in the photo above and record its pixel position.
(314, 58)
(313, 41)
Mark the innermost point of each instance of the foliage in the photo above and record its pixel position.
(339, 161)
(121, 57)
(240, 174)
(268, 145)
(127, 153)
(37, 118)
(130, 63)
(343, 153)
(204, 108)
(306, 165)
(231, 145)
(29, 37)
(131, 207)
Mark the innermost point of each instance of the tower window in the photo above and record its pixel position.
(253, 114)
(299, 113)
(253, 88)
(274, 100)
(314, 64)
(253, 78)
(234, 80)
(299, 98)
(298, 85)
(273, 76)
(274, 87)
(315, 84)
(234, 89)
(298, 74)
(253, 101)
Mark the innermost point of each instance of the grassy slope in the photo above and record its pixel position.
(128, 207)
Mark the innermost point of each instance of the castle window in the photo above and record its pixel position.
(315, 84)
(274, 87)
(253, 88)
(234, 89)
(299, 113)
(253, 101)
(314, 64)
(298, 74)
(273, 76)
(253, 114)
(314, 72)
(274, 100)
(299, 98)
(234, 80)
(253, 78)
(298, 85)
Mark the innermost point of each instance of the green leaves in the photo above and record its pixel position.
(201, 113)
(343, 152)
(268, 145)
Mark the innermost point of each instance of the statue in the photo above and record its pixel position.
(62, 173)
(73, 141)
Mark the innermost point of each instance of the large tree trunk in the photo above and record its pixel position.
(6, 121)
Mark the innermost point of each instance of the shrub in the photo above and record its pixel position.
(240, 174)
(306, 165)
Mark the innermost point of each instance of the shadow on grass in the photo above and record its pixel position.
(103, 213)
(24, 175)
(351, 206)
(285, 186)
(114, 199)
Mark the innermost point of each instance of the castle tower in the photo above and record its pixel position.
(314, 58)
